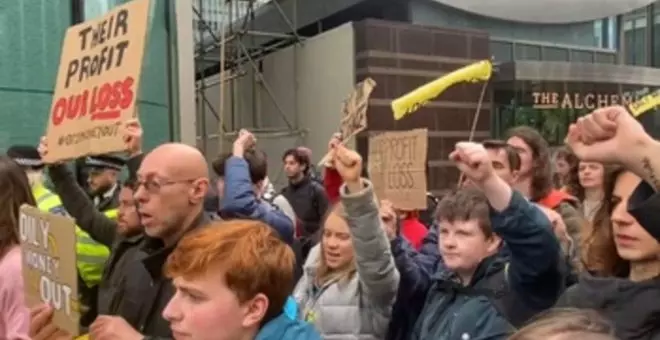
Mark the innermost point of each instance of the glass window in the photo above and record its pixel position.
(528, 52)
(656, 35)
(501, 50)
(598, 33)
(555, 54)
(582, 56)
(605, 58)
(634, 37)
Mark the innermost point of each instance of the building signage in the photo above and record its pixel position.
(590, 101)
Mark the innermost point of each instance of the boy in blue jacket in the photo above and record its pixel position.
(232, 281)
(240, 178)
(474, 293)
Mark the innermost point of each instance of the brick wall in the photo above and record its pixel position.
(401, 57)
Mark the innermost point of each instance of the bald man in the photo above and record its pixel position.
(171, 184)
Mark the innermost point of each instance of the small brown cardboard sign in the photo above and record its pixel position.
(48, 245)
(97, 83)
(397, 167)
(354, 111)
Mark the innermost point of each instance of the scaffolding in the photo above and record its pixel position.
(227, 49)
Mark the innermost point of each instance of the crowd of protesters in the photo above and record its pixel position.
(531, 245)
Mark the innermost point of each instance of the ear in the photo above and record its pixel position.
(255, 310)
(198, 190)
(515, 174)
(494, 243)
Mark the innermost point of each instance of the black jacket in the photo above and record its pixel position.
(310, 203)
(144, 291)
(632, 307)
(100, 228)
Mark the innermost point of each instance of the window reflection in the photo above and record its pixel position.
(635, 33)
(656, 35)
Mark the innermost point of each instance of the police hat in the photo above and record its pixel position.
(105, 162)
(26, 156)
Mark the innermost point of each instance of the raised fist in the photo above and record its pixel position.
(472, 160)
(348, 163)
(607, 135)
(133, 136)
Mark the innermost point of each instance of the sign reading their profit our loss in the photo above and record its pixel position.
(97, 83)
(397, 167)
(48, 245)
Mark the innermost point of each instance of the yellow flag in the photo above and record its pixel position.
(645, 104)
(411, 102)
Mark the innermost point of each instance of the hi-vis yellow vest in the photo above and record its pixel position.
(91, 255)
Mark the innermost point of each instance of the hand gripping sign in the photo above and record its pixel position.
(48, 245)
(97, 83)
(412, 101)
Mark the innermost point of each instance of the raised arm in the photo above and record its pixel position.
(377, 273)
(80, 206)
(534, 269)
(613, 135)
(375, 263)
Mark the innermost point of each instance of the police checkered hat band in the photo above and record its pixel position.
(26, 162)
(25, 156)
(106, 162)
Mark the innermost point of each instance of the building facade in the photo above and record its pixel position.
(31, 34)
(548, 72)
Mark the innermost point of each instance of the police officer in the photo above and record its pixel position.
(103, 182)
(91, 255)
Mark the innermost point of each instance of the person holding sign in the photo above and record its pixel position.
(350, 280)
(92, 255)
(14, 314)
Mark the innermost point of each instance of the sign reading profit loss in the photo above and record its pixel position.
(397, 167)
(48, 245)
(97, 83)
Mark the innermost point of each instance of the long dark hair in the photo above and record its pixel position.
(15, 192)
(542, 171)
(599, 255)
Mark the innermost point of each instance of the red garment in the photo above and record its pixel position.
(555, 197)
(332, 182)
(414, 231)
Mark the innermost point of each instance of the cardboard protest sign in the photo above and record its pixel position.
(48, 244)
(397, 167)
(354, 111)
(97, 83)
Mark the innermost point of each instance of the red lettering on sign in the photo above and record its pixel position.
(103, 102)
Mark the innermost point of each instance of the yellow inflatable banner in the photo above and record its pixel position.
(411, 102)
(645, 104)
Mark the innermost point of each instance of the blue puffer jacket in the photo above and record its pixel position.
(240, 200)
(285, 328)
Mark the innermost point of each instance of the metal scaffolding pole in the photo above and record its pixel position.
(226, 44)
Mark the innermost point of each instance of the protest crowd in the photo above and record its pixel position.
(102, 239)
(509, 254)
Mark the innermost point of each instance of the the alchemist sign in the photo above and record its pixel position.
(97, 83)
(48, 244)
(590, 101)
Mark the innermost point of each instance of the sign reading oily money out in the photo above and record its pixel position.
(97, 83)
(48, 245)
